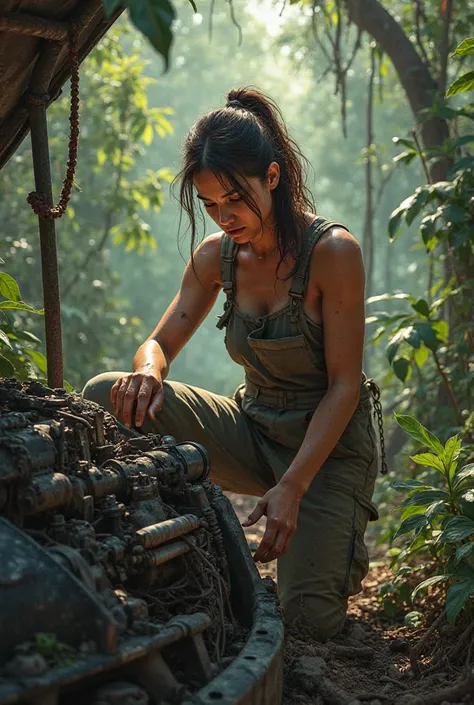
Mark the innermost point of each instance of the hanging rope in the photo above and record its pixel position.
(36, 200)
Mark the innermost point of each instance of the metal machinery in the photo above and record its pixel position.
(125, 577)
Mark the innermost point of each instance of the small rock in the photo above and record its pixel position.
(393, 672)
(27, 666)
(357, 633)
(307, 672)
(399, 646)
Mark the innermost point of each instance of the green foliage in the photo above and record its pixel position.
(440, 519)
(154, 18)
(465, 82)
(114, 198)
(17, 357)
(54, 651)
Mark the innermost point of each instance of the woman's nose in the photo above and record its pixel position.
(225, 215)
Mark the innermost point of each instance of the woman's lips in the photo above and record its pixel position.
(235, 231)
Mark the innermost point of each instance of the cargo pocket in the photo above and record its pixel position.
(357, 565)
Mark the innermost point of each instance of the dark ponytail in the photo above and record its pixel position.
(239, 142)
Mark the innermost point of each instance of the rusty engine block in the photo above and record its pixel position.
(115, 585)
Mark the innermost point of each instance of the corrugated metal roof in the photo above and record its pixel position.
(19, 53)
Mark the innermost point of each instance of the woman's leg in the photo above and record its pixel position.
(214, 421)
(327, 558)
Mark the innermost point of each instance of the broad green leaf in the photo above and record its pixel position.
(407, 512)
(464, 551)
(457, 529)
(6, 367)
(456, 598)
(394, 222)
(147, 135)
(408, 485)
(417, 521)
(465, 139)
(401, 367)
(421, 498)
(434, 580)
(412, 337)
(428, 227)
(26, 335)
(405, 157)
(417, 431)
(441, 328)
(427, 334)
(422, 307)
(450, 456)
(5, 339)
(419, 200)
(428, 460)
(421, 355)
(20, 306)
(392, 349)
(466, 47)
(8, 287)
(436, 509)
(466, 503)
(463, 474)
(462, 84)
(39, 359)
(154, 19)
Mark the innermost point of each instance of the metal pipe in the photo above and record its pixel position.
(166, 553)
(33, 26)
(49, 258)
(156, 534)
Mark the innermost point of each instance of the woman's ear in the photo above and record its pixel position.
(273, 175)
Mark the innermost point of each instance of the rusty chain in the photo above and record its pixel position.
(375, 391)
(36, 200)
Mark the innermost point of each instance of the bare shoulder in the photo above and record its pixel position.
(207, 258)
(337, 247)
(336, 259)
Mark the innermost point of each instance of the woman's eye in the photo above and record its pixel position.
(208, 205)
(234, 200)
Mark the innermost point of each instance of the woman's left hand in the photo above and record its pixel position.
(281, 507)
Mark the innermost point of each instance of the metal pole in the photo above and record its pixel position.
(49, 258)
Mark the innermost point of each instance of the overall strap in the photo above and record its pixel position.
(228, 252)
(300, 278)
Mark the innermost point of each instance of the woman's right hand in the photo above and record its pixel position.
(143, 387)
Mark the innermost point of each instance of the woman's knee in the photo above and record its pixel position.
(98, 388)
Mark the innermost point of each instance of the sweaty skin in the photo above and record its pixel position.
(334, 299)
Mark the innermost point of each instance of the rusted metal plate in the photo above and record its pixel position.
(19, 52)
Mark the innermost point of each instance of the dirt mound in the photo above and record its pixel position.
(377, 660)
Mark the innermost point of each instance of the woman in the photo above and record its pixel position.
(298, 433)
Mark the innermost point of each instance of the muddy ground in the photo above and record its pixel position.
(377, 660)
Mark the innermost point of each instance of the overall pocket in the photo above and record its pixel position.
(287, 360)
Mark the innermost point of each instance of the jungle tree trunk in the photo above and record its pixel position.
(414, 75)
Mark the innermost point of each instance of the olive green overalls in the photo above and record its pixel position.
(253, 437)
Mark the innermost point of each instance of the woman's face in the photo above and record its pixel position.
(229, 211)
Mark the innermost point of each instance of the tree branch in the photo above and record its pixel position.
(415, 77)
(444, 48)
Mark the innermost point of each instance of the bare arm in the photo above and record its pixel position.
(195, 298)
(338, 274)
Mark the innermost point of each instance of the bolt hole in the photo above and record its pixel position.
(261, 631)
(215, 695)
(250, 658)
